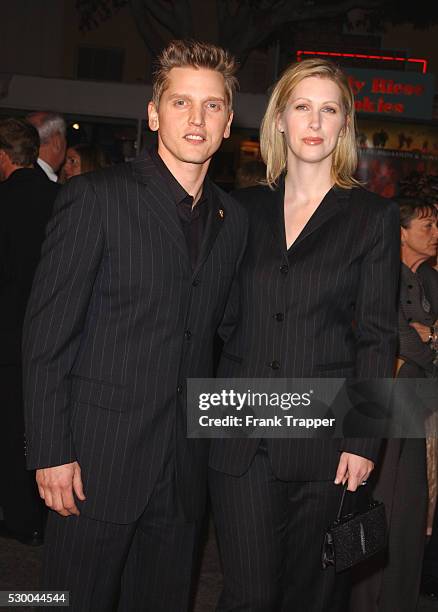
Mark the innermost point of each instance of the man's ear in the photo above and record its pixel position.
(5, 165)
(57, 142)
(228, 125)
(403, 235)
(4, 157)
(153, 120)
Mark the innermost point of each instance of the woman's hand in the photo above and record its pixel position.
(353, 468)
(422, 330)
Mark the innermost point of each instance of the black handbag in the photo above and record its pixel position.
(354, 537)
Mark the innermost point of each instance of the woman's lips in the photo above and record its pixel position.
(312, 141)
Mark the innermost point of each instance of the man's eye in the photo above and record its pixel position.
(214, 106)
(180, 102)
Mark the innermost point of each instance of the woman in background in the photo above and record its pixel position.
(391, 582)
(82, 158)
(318, 299)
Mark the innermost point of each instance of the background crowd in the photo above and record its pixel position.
(35, 158)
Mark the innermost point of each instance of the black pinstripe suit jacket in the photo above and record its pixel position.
(116, 322)
(298, 309)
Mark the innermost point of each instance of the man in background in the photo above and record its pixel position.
(52, 132)
(26, 199)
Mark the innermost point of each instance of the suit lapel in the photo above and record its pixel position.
(274, 209)
(154, 193)
(331, 205)
(215, 221)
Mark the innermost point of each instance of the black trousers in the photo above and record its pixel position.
(141, 566)
(24, 512)
(270, 536)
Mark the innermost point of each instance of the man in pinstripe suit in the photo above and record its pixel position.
(135, 273)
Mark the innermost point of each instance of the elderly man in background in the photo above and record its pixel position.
(52, 132)
(26, 198)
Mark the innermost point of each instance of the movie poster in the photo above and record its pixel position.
(390, 151)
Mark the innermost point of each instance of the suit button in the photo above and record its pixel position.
(410, 287)
(187, 334)
(196, 282)
(279, 316)
(284, 269)
(408, 302)
(275, 365)
(179, 389)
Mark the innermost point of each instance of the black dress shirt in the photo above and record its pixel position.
(192, 218)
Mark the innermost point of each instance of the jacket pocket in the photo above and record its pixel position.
(98, 393)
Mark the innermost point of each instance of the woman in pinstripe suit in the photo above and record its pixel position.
(321, 253)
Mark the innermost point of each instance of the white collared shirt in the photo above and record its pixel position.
(47, 169)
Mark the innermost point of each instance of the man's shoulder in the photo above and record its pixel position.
(29, 181)
(230, 204)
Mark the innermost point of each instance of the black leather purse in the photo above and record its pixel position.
(355, 537)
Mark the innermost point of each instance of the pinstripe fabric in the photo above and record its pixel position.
(344, 266)
(116, 322)
(270, 534)
(145, 565)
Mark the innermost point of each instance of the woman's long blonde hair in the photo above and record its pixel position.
(273, 145)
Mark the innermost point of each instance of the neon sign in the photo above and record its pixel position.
(388, 92)
(383, 58)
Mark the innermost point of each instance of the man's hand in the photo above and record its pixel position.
(353, 468)
(56, 486)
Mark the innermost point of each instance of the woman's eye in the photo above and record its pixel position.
(329, 109)
(301, 107)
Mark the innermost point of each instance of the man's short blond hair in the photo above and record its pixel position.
(191, 53)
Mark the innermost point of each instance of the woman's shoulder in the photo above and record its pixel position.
(373, 202)
(248, 196)
(362, 194)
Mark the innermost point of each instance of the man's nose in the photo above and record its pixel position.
(197, 115)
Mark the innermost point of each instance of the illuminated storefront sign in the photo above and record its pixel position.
(335, 55)
(398, 94)
(401, 94)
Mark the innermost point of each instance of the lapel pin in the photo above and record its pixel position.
(221, 213)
